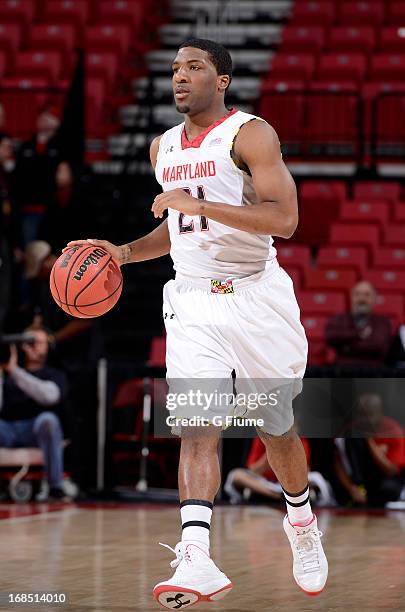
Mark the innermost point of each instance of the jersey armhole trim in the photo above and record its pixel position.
(242, 167)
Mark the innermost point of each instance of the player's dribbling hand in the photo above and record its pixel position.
(116, 252)
(177, 199)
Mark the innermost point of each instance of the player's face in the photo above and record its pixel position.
(195, 81)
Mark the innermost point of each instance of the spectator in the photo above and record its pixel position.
(370, 464)
(33, 177)
(360, 337)
(30, 409)
(260, 479)
(73, 339)
(5, 226)
(64, 216)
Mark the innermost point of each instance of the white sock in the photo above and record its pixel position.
(196, 521)
(299, 507)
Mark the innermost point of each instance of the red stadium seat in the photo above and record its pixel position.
(295, 275)
(58, 37)
(322, 302)
(21, 12)
(377, 190)
(313, 12)
(396, 13)
(39, 64)
(391, 305)
(331, 278)
(392, 281)
(314, 326)
(390, 129)
(353, 234)
(157, 355)
(295, 255)
(292, 66)
(334, 86)
(120, 11)
(361, 13)
(102, 65)
(10, 40)
(318, 200)
(345, 257)
(370, 91)
(282, 86)
(394, 235)
(3, 64)
(22, 99)
(74, 12)
(112, 38)
(387, 66)
(332, 123)
(284, 110)
(366, 212)
(390, 258)
(342, 66)
(302, 39)
(392, 40)
(399, 212)
(352, 39)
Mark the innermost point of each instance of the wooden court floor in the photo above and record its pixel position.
(107, 558)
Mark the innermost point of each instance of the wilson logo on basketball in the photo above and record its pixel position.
(93, 258)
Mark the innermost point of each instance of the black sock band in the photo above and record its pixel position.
(299, 504)
(196, 524)
(296, 494)
(196, 502)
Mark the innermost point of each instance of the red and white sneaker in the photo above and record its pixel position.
(196, 578)
(310, 566)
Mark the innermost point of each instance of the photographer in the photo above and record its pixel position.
(30, 402)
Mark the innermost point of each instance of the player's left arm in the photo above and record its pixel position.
(276, 211)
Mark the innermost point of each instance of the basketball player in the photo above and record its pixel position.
(231, 307)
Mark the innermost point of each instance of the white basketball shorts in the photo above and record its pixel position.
(254, 330)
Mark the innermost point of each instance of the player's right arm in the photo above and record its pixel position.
(153, 245)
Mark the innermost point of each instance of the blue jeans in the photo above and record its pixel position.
(43, 431)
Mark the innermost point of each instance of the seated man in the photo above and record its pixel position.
(370, 465)
(30, 399)
(260, 479)
(360, 337)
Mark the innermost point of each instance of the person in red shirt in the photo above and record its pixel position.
(259, 478)
(371, 465)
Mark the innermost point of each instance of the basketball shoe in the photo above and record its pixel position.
(310, 566)
(196, 578)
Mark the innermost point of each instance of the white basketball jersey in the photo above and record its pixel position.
(204, 167)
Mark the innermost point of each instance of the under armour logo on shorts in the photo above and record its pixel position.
(221, 287)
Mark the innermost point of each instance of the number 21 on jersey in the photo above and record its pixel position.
(187, 228)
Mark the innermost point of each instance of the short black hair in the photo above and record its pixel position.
(219, 56)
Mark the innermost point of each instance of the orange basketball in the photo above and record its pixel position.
(86, 281)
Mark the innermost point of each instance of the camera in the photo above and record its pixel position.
(7, 340)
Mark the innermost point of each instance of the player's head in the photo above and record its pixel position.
(363, 298)
(202, 72)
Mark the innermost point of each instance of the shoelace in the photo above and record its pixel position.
(180, 555)
(306, 544)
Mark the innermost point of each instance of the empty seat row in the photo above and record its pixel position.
(348, 12)
(76, 12)
(338, 66)
(364, 39)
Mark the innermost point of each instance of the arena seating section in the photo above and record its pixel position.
(38, 42)
(349, 59)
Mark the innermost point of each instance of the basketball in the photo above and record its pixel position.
(86, 282)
